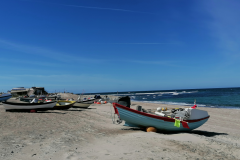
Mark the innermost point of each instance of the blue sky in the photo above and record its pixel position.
(120, 45)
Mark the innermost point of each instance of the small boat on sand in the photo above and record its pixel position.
(183, 120)
(82, 104)
(4, 97)
(61, 105)
(11, 106)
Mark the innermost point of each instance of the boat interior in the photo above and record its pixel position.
(189, 113)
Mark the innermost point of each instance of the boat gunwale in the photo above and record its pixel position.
(155, 116)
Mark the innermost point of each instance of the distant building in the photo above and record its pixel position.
(39, 91)
(21, 91)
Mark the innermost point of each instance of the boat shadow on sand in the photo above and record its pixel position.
(44, 111)
(20, 111)
(63, 111)
(73, 110)
(84, 108)
(197, 132)
(50, 112)
(206, 133)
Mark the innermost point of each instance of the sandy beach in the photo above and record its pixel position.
(79, 134)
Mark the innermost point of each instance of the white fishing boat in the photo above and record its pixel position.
(174, 120)
(4, 97)
(28, 106)
(62, 105)
(81, 104)
(135, 118)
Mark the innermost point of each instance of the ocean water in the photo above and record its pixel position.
(214, 98)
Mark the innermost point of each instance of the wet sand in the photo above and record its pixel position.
(78, 134)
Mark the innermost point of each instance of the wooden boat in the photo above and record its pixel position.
(28, 106)
(135, 118)
(61, 105)
(5, 97)
(82, 104)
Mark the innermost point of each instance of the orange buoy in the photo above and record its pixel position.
(151, 129)
(98, 102)
(105, 102)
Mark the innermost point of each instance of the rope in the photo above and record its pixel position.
(114, 118)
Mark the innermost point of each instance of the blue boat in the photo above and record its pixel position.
(5, 97)
(135, 118)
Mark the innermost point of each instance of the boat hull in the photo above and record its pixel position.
(5, 97)
(136, 118)
(62, 105)
(28, 106)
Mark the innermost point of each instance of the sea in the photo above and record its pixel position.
(210, 97)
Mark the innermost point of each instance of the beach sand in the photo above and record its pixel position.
(79, 134)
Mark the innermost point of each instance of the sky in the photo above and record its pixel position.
(121, 45)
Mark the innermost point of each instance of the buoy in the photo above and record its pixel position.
(98, 102)
(151, 129)
(105, 102)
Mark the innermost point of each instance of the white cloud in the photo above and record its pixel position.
(162, 63)
(64, 57)
(225, 25)
(30, 62)
(47, 53)
(90, 7)
(139, 43)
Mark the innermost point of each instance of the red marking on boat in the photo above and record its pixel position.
(184, 124)
(194, 107)
(116, 110)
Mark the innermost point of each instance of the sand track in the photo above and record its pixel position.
(77, 134)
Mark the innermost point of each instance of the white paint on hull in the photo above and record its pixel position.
(82, 105)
